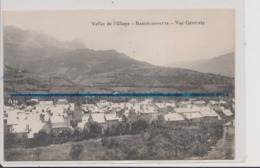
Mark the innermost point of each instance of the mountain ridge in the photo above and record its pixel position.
(88, 70)
(23, 46)
(220, 65)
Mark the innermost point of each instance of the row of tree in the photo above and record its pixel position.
(90, 131)
(160, 144)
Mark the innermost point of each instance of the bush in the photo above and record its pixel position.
(139, 126)
(40, 139)
(95, 130)
(76, 151)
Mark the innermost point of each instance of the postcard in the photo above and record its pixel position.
(119, 85)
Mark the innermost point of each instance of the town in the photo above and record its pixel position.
(27, 119)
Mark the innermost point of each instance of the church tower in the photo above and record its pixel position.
(78, 109)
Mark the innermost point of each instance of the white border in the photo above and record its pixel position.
(149, 4)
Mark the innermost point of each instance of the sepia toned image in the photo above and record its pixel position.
(119, 85)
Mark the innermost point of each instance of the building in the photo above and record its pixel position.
(46, 103)
(227, 112)
(229, 130)
(111, 118)
(32, 102)
(209, 115)
(78, 112)
(165, 107)
(174, 118)
(150, 113)
(98, 118)
(194, 117)
(200, 103)
(85, 120)
(56, 110)
(222, 102)
(184, 104)
(35, 124)
(62, 102)
(57, 122)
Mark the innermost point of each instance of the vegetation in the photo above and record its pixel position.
(154, 144)
(76, 151)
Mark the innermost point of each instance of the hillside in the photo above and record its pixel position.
(94, 71)
(221, 65)
(25, 46)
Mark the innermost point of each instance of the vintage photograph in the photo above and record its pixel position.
(83, 85)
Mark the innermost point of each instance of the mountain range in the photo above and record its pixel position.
(221, 65)
(36, 62)
(23, 46)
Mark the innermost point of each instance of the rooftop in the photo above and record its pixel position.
(98, 117)
(173, 117)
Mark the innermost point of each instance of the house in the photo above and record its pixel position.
(227, 112)
(57, 122)
(185, 110)
(133, 101)
(56, 110)
(8, 108)
(62, 101)
(103, 103)
(210, 116)
(212, 102)
(12, 119)
(97, 117)
(20, 131)
(150, 113)
(174, 118)
(32, 101)
(200, 103)
(85, 119)
(111, 118)
(95, 109)
(165, 107)
(18, 126)
(222, 102)
(46, 103)
(217, 108)
(229, 130)
(35, 124)
(146, 101)
(194, 117)
(29, 108)
(208, 113)
(184, 104)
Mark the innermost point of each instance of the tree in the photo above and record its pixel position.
(40, 139)
(95, 130)
(9, 140)
(140, 125)
(76, 151)
(124, 118)
(74, 123)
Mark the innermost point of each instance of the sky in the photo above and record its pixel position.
(157, 44)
